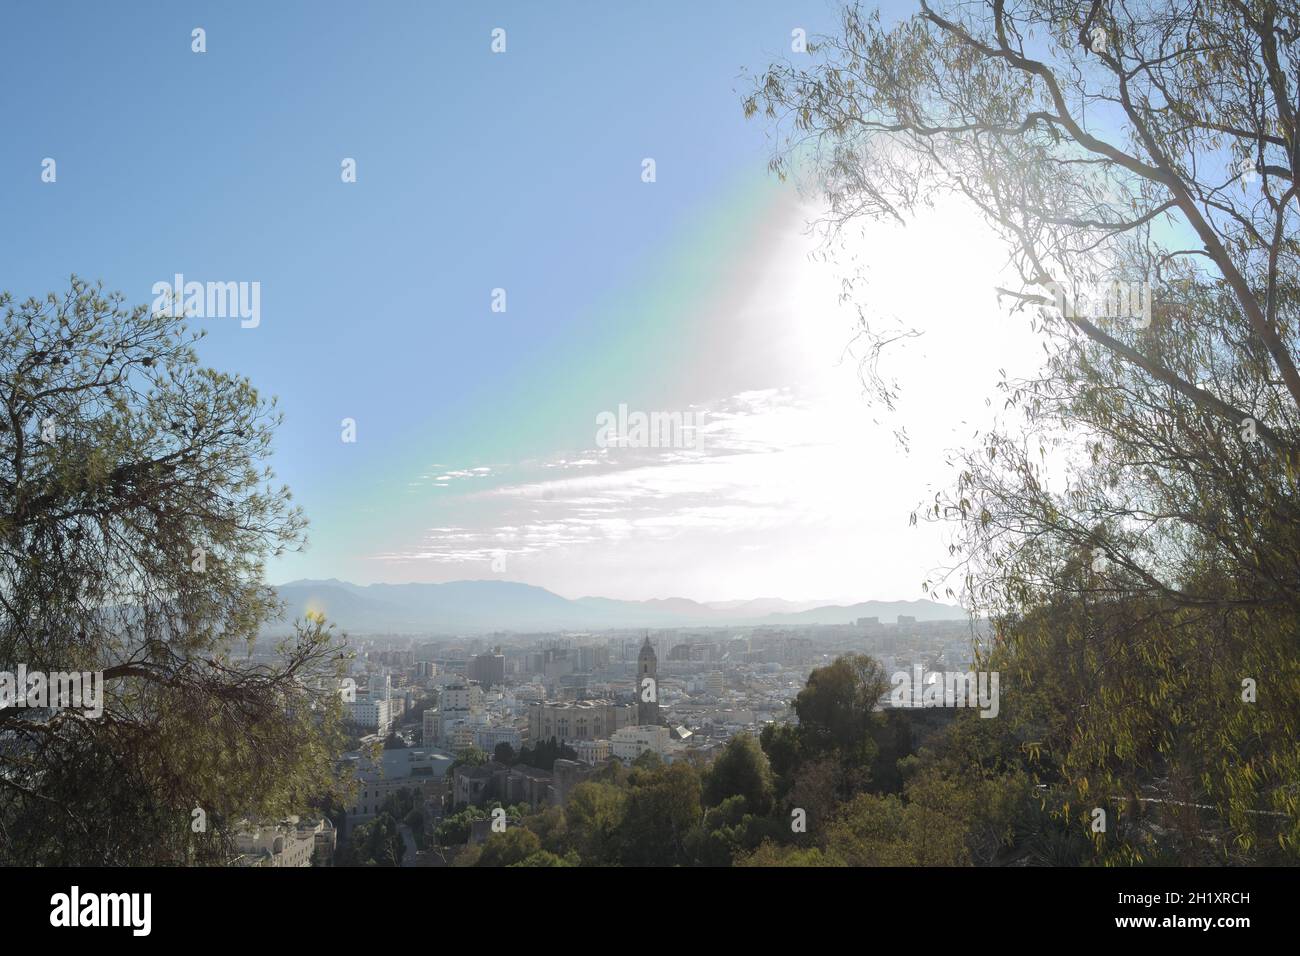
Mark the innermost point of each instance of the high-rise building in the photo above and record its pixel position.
(488, 669)
(374, 715)
(461, 697)
(458, 704)
(380, 687)
(593, 657)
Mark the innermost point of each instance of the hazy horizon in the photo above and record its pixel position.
(809, 602)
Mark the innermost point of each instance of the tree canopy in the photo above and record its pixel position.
(1133, 531)
(136, 521)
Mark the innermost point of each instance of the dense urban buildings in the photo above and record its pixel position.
(582, 688)
(591, 697)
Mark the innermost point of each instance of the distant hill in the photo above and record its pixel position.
(887, 611)
(760, 606)
(481, 606)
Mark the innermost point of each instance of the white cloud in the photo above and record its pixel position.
(799, 489)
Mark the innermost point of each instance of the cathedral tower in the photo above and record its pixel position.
(647, 685)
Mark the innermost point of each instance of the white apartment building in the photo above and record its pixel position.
(459, 705)
(487, 738)
(374, 715)
(461, 697)
(591, 751)
(630, 742)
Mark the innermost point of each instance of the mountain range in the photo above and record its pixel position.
(485, 606)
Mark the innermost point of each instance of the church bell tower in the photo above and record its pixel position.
(647, 685)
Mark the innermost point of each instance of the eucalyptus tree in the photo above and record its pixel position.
(1135, 532)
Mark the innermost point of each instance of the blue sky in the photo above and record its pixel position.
(475, 171)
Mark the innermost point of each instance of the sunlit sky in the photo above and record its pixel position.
(476, 430)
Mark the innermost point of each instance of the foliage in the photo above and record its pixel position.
(376, 842)
(506, 849)
(544, 753)
(742, 769)
(137, 519)
(1135, 534)
(469, 757)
